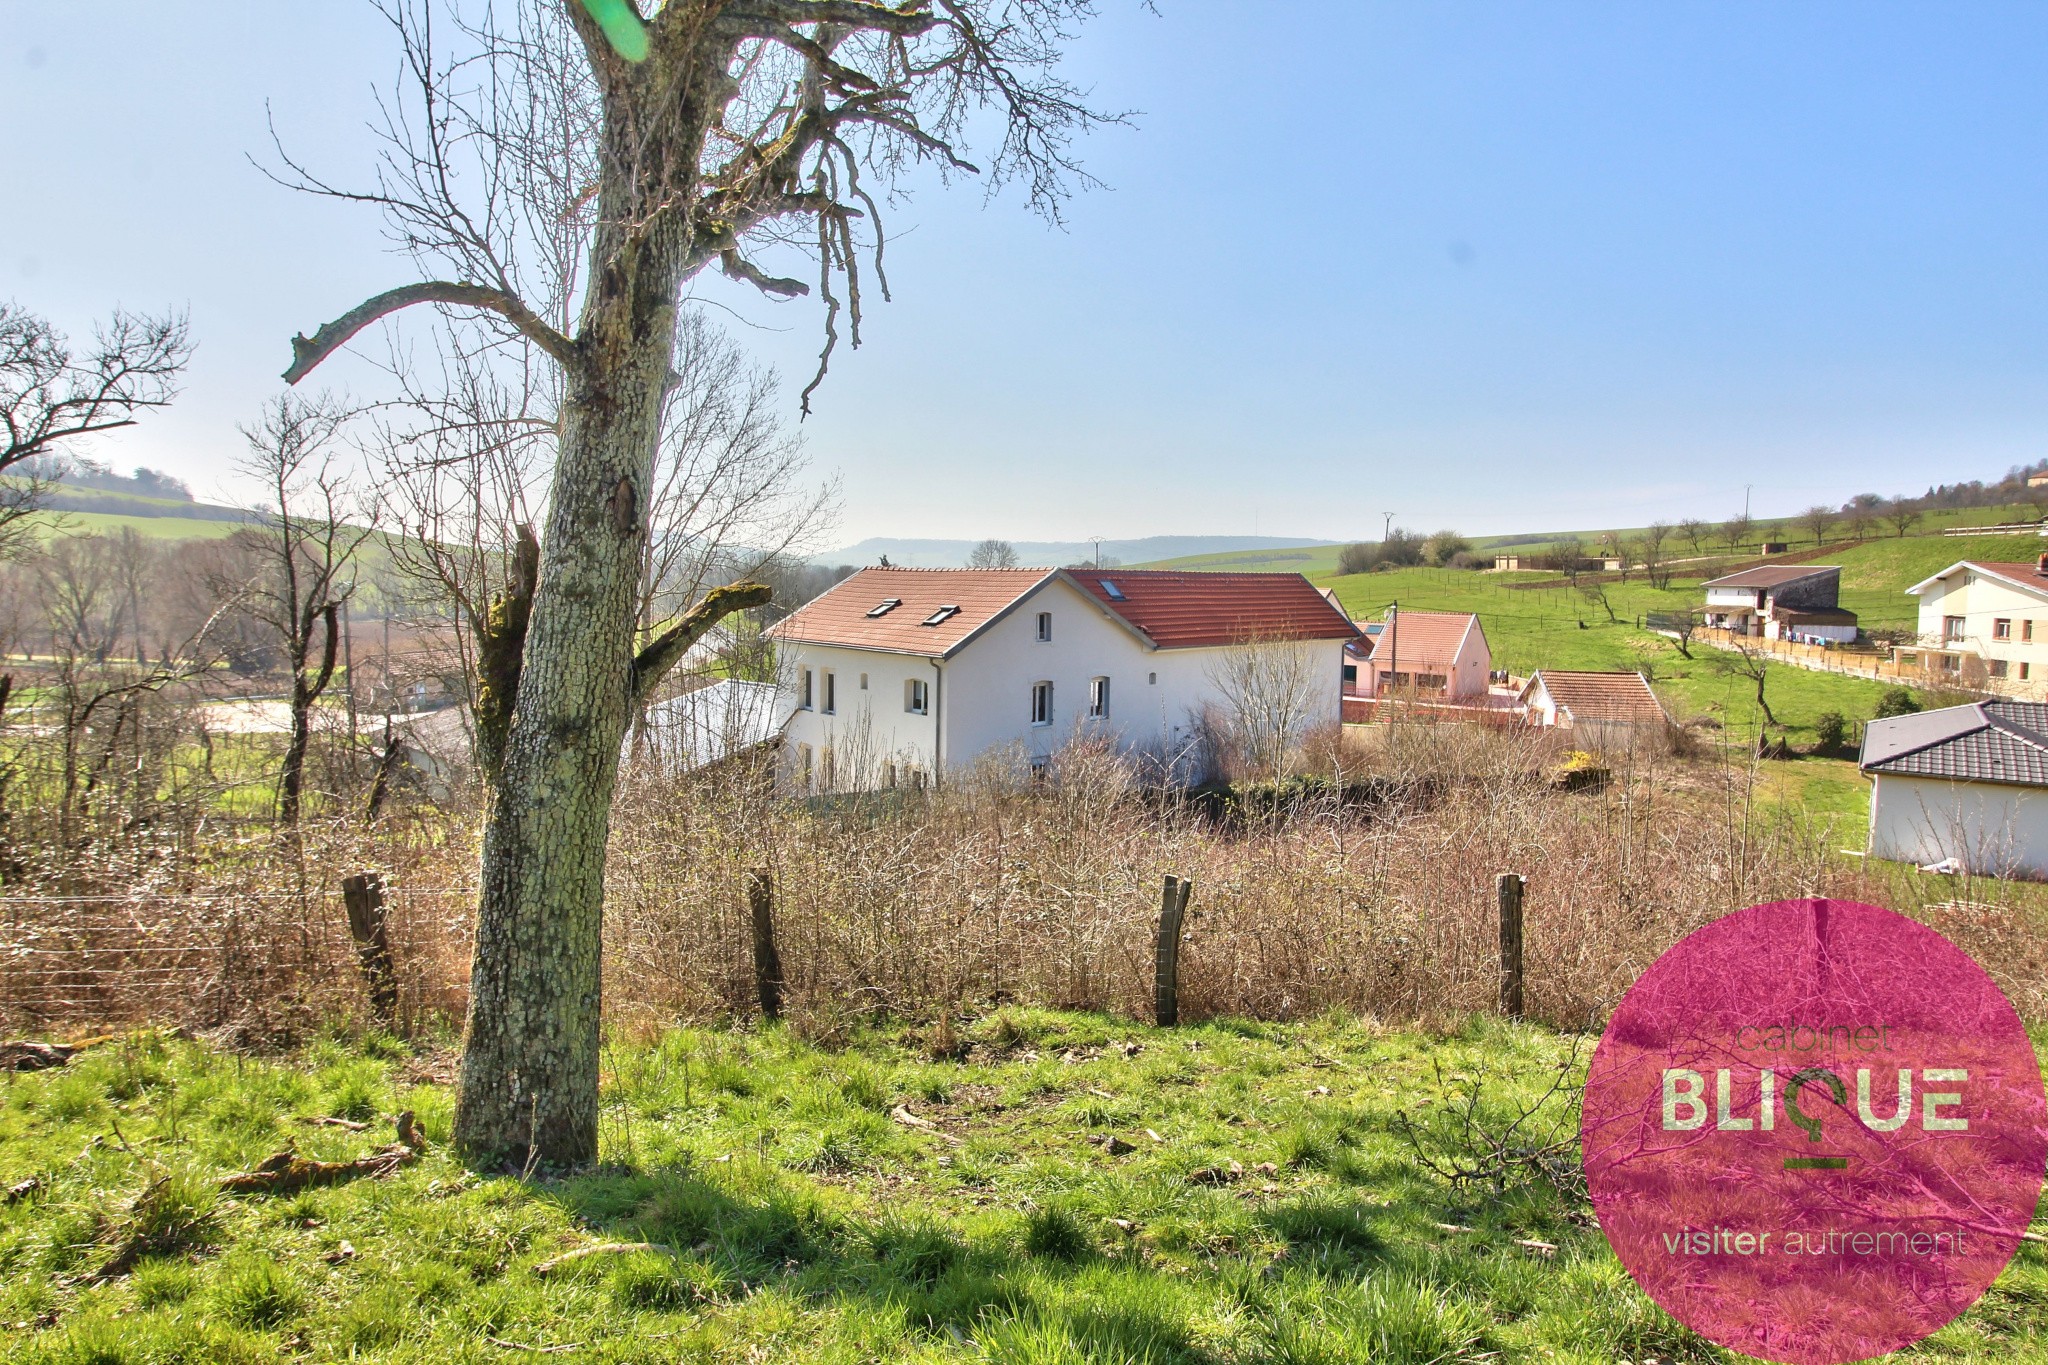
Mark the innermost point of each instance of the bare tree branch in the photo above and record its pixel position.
(651, 663)
(309, 352)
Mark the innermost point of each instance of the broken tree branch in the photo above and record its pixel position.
(307, 353)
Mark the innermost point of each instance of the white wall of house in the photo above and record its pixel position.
(1970, 613)
(1808, 631)
(982, 698)
(1989, 827)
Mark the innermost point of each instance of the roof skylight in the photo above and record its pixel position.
(887, 605)
(939, 617)
(1112, 591)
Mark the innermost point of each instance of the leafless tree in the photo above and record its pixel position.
(79, 582)
(1695, 532)
(52, 396)
(1817, 519)
(1682, 626)
(1902, 514)
(1736, 530)
(1270, 690)
(302, 560)
(1747, 659)
(703, 132)
(993, 554)
(1594, 590)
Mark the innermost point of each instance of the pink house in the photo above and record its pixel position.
(1431, 653)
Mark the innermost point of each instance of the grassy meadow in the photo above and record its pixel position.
(1035, 1187)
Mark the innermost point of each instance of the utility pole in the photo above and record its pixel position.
(1098, 551)
(1387, 527)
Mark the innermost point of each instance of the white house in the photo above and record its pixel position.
(1442, 653)
(1964, 783)
(709, 724)
(1782, 602)
(1613, 706)
(1984, 624)
(900, 675)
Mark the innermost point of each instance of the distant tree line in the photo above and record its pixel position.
(1404, 549)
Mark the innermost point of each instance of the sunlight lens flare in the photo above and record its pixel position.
(622, 26)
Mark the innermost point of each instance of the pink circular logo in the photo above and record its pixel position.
(1814, 1131)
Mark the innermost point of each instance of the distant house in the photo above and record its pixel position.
(2038, 480)
(1782, 602)
(1441, 653)
(1596, 702)
(898, 676)
(1966, 785)
(1983, 623)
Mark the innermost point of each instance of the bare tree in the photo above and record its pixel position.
(993, 554)
(301, 561)
(1695, 532)
(1269, 689)
(1736, 530)
(709, 130)
(1747, 659)
(1681, 626)
(1818, 519)
(1903, 514)
(1594, 590)
(52, 396)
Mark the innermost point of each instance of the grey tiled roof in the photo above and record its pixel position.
(1986, 741)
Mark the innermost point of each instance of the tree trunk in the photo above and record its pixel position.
(305, 691)
(530, 1060)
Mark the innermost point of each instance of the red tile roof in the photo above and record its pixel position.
(1425, 641)
(1176, 609)
(1614, 697)
(1169, 608)
(2028, 573)
(839, 615)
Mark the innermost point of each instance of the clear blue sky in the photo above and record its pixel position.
(1496, 266)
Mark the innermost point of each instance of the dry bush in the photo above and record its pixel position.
(1003, 887)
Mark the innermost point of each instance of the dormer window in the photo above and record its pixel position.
(940, 617)
(885, 606)
(1112, 591)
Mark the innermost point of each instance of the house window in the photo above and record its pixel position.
(803, 766)
(2024, 670)
(2001, 629)
(1351, 673)
(915, 696)
(888, 774)
(825, 771)
(1041, 703)
(831, 693)
(1152, 679)
(1112, 591)
(940, 616)
(1098, 697)
(2027, 631)
(1997, 668)
(1951, 627)
(885, 606)
(1045, 625)
(863, 682)
(803, 698)
(1951, 663)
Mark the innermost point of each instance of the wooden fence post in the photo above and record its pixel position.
(1173, 906)
(767, 962)
(1508, 887)
(363, 894)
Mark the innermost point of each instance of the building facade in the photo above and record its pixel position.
(1799, 602)
(1963, 786)
(895, 677)
(1983, 624)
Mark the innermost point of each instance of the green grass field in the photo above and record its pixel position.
(1066, 1195)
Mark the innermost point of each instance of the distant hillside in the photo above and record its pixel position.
(952, 554)
(70, 497)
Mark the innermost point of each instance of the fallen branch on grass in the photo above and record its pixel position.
(910, 1120)
(550, 1266)
(287, 1171)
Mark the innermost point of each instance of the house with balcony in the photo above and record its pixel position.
(1983, 624)
(1797, 602)
(897, 677)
